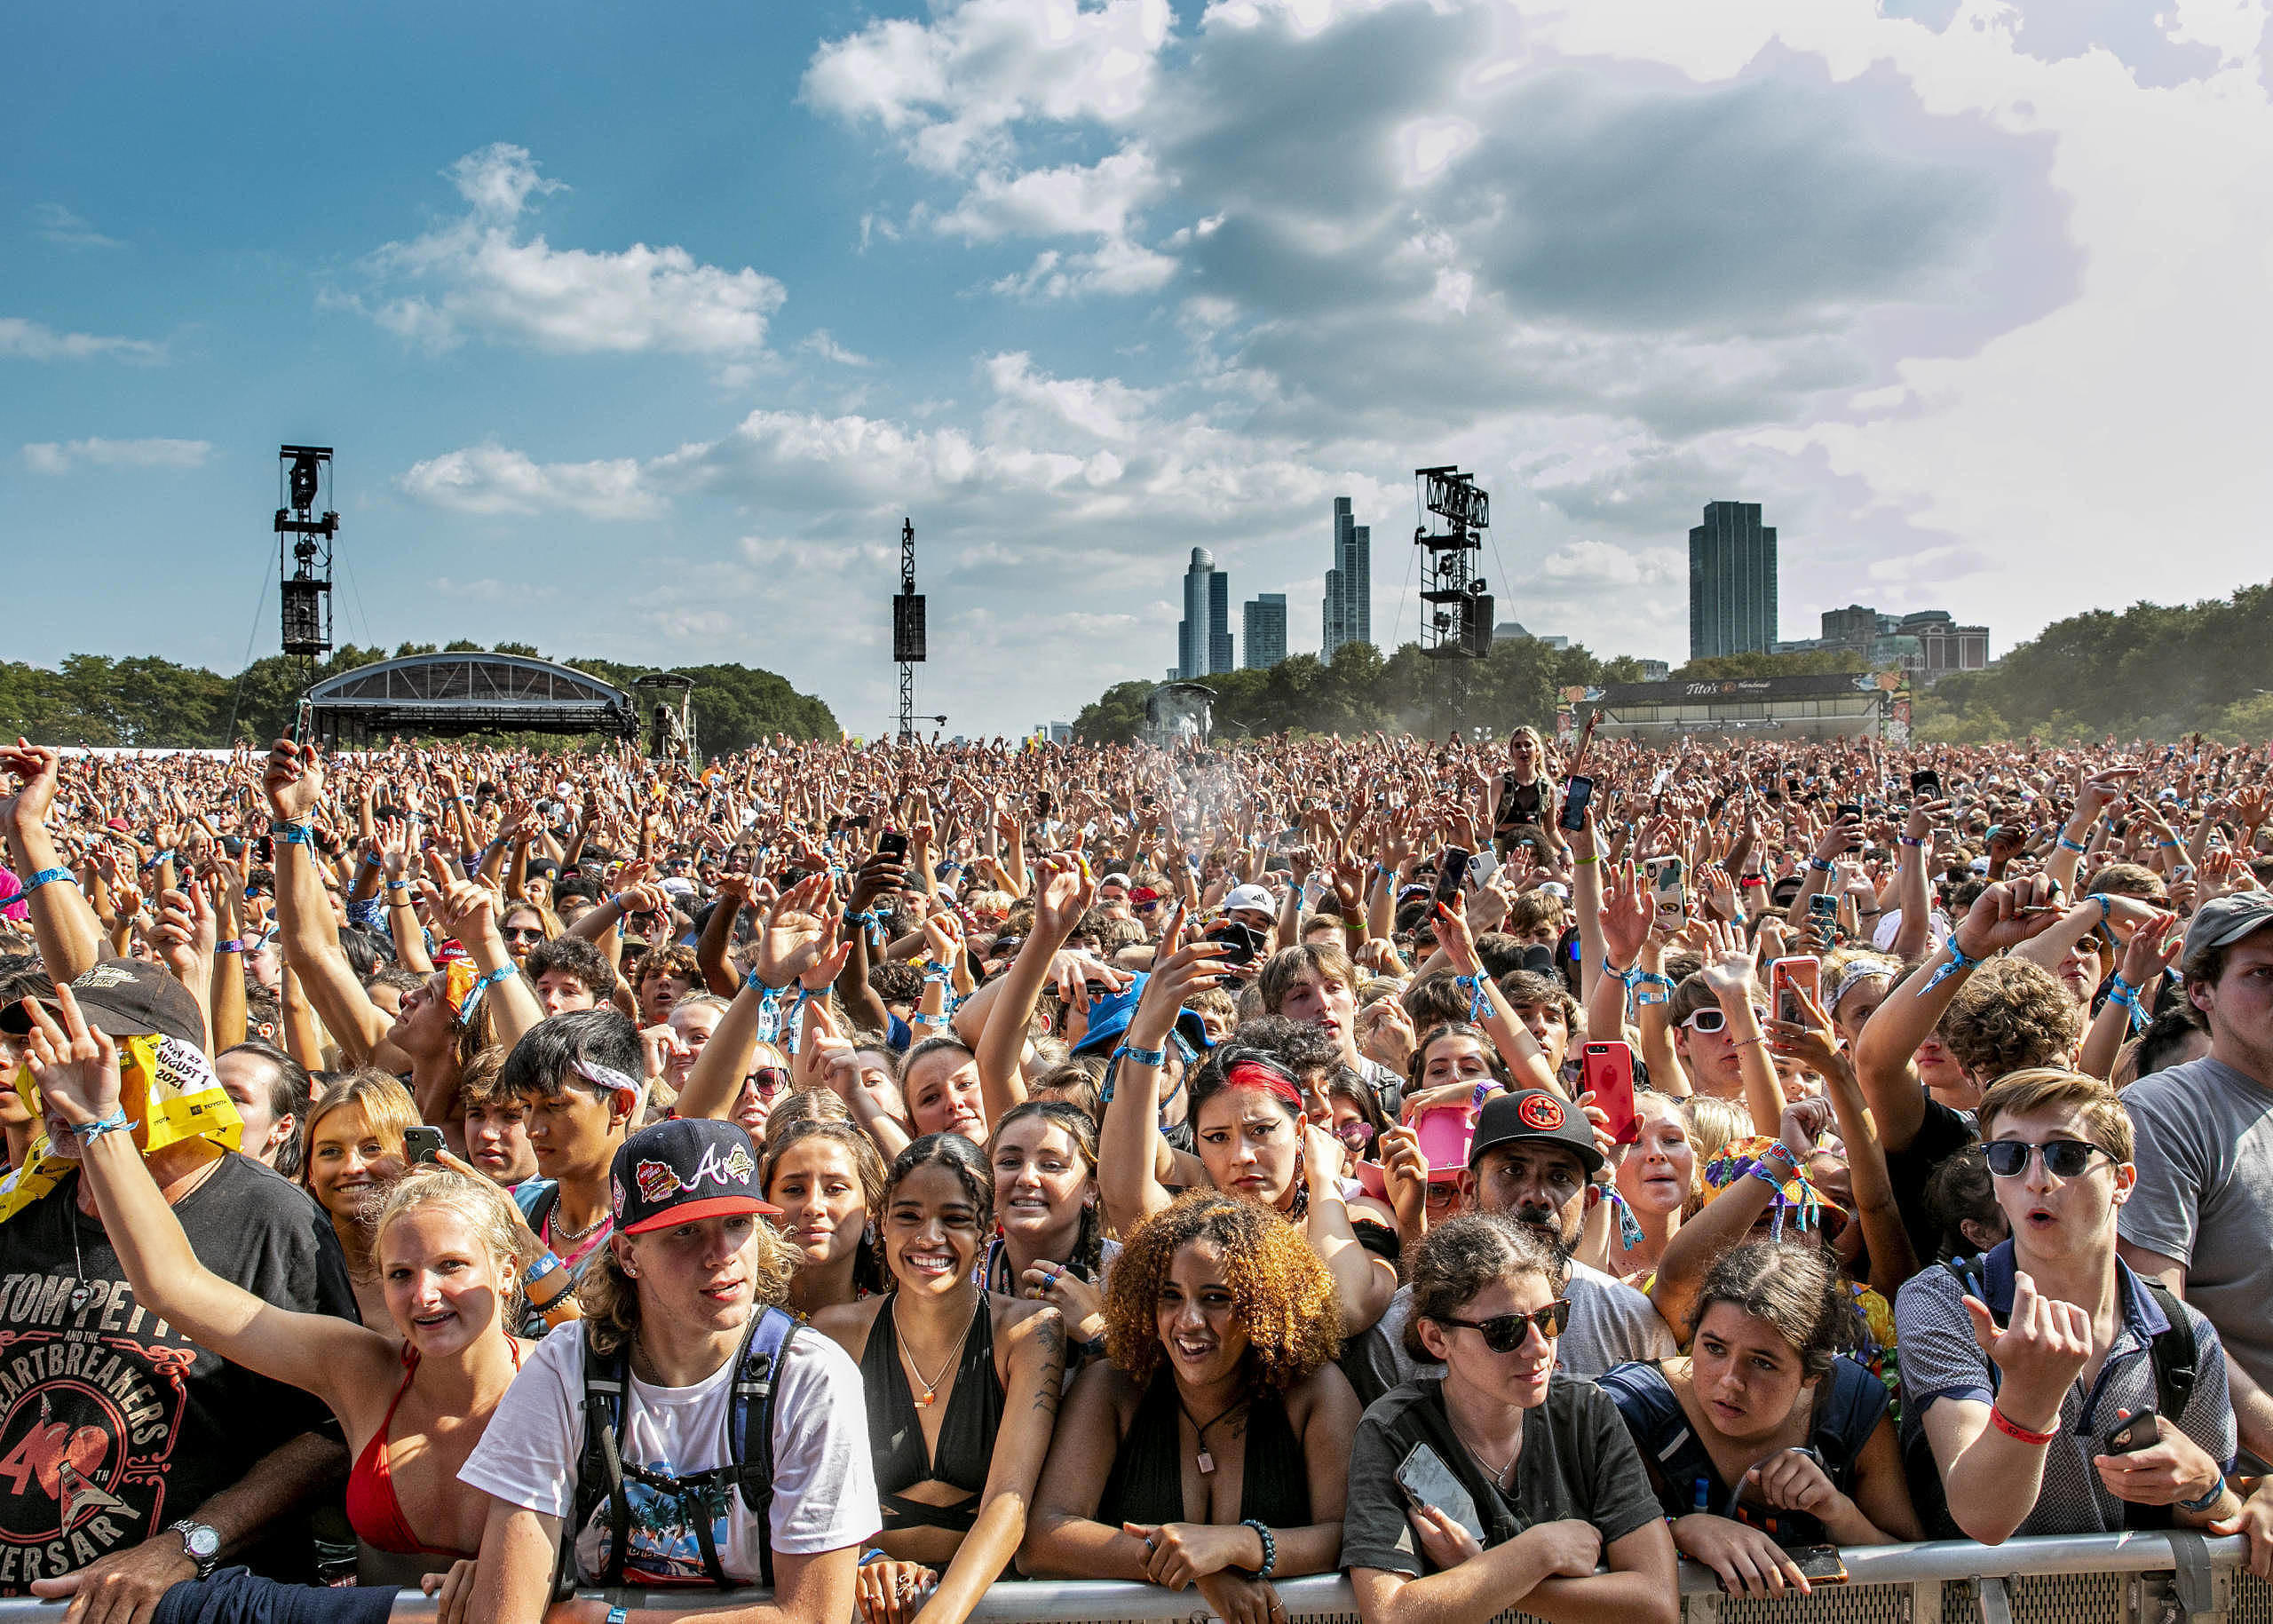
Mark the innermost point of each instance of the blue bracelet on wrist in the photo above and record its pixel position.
(1269, 1546)
(87, 1133)
(1142, 1056)
(45, 876)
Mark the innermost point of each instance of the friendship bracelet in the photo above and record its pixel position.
(87, 1133)
(1959, 961)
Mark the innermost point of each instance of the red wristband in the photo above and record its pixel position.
(2010, 1427)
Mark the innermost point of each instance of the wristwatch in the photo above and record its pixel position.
(203, 1545)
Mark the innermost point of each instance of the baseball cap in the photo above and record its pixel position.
(1250, 897)
(2225, 920)
(687, 1169)
(1534, 1116)
(126, 998)
(1121, 880)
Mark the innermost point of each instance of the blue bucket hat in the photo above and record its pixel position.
(1109, 1018)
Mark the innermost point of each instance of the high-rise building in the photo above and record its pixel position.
(1203, 637)
(1265, 624)
(1349, 584)
(1732, 582)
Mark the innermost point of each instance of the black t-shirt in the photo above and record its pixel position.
(1942, 1134)
(113, 1424)
(1578, 1462)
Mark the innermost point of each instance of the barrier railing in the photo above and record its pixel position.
(2172, 1577)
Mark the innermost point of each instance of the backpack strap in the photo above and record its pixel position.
(600, 1472)
(1853, 1400)
(751, 1423)
(2174, 1352)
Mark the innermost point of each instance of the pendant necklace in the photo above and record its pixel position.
(930, 1394)
(1206, 1461)
(1498, 1474)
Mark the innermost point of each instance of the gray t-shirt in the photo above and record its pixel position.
(1577, 1462)
(1611, 1323)
(2205, 1196)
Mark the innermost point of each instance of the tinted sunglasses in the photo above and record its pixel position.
(2063, 1158)
(1711, 1018)
(1505, 1333)
(769, 1080)
(513, 933)
(1357, 1136)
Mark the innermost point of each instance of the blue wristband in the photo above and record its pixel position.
(1142, 1056)
(45, 876)
(2067, 844)
(293, 834)
(87, 1133)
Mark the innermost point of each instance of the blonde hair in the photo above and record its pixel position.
(610, 1298)
(486, 1208)
(388, 1111)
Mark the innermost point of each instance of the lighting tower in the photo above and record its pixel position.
(907, 630)
(303, 550)
(1457, 624)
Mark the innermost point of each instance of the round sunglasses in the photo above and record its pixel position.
(1505, 1333)
(2063, 1158)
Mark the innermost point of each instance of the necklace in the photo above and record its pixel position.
(82, 1287)
(1499, 1473)
(564, 1236)
(1200, 1430)
(929, 1384)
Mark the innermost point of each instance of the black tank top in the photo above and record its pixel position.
(967, 1431)
(1146, 1485)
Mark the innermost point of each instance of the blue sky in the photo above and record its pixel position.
(639, 328)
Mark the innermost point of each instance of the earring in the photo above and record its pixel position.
(629, 1274)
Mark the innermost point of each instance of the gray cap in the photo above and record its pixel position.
(2224, 920)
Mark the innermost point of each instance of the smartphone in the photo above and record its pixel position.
(893, 845)
(1576, 801)
(1818, 1564)
(302, 720)
(1427, 1481)
(1822, 908)
(1787, 978)
(1926, 786)
(1241, 942)
(421, 1143)
(2142, 1431)
(1607, 1071)
(1043, 807)
(1668, 883)
(1451, 869)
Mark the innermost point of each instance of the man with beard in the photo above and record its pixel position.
(1534, 1160)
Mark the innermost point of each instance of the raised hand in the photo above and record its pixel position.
(793, 945)
(2008, 913)
(74, 1065)
(39, 768)
(293, 782)
(2039, 1353)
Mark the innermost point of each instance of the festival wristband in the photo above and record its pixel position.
(1143, 1057)
(87, 1133)
(2209, 1497)
(45, 876)
(237, 945)
(293, 834)
(2010, 1427)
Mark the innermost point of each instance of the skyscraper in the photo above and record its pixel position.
(1349, 584)
(1731, 581)
(1265, 628)
(1203, 637)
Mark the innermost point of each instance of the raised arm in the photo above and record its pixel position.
(1125, 1177)
(1066, 892)
(69, 935)
(790, 954)
(305, 930)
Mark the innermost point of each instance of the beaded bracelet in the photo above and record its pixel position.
(1269, 1546)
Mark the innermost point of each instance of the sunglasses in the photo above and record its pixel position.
(769, 1080)
(2063, 1158)
(1357, 1136)
(513, 933)
(1505, 1333)
(1711, 1019)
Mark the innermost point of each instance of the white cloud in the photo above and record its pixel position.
(59, 225)
(1070, 200)
(819, 343)
(61, 456)
(490, 481)
(28, 340)
(1599, 564)
(488, 280)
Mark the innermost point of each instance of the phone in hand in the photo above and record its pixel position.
(1451, 870)
(1818, 1564)
(421, 1143)
(1241, 942)
(894, 845)
(1427, 1481)
(1787, 978)
(1576, 799)
(2141, 1431)
(1668, 885)
(1606, 1071)
(1822, 908)
(1926, 786)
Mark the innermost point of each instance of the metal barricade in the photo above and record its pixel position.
(2082, 1579)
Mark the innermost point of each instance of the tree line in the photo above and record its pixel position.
(2148, 671)
(146, 702)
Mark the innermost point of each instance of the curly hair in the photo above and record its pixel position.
(1793, 1290)
(1281, 1295)
(2010, 1015)
(610, 1298)
(1466, 1255)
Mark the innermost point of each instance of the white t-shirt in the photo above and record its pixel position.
(824, 1481)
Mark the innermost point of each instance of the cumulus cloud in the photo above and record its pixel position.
(62, 456)
(491, 481)
(480, 276)
(29, 340)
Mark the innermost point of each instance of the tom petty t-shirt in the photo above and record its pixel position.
(113, 1426)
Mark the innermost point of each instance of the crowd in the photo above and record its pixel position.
(875, 1174)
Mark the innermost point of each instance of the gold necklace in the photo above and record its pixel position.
(931, 1386)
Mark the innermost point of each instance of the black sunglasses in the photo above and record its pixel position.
(1505, 1333)
(2063, 1158)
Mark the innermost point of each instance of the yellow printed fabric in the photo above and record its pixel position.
(168, 1091)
